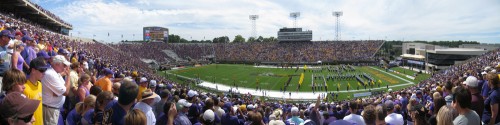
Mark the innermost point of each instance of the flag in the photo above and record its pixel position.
(379, 81)
(373, 83)
(348, 84)
(301, 79)
(257, 81)
(338, 85)
(305, 67)
(359, 84)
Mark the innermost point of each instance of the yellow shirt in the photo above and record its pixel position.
(141, 89)
(105, 84)
(35, 92)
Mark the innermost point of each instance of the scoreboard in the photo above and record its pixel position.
(155, 34)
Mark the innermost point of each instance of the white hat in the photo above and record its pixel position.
(235, 109)
(184, 103)
(152, 83)
(487, 68)
(61, 59)
(471, 81)
(484, 73)
(493, 71)
(250, 107)
(192, 93)
(295, 109)
(143, 79)
(209, 115)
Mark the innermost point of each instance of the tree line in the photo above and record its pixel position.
(172, 38)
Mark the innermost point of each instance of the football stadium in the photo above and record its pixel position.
(141, 62)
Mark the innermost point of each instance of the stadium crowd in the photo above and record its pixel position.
(274, 52)
(48, 79)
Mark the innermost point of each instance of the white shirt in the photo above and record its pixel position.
(148, 111)
(355, 119)
(53, 84)
(394, 119)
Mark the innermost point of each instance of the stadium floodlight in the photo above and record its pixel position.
(337, 14)
(295, 15)
(254, 25)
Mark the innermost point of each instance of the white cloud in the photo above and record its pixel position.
(362, 19)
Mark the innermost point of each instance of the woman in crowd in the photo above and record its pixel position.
(490, 114)
(18, 60)
(445, 115)
(417, 113)
(135, 117)
(84, 87)
(87, 110)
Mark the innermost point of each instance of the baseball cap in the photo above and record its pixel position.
(43, 54)
(143, 79)
(192, 93)
(26, 37)
(471, 81)
(19, 33)
(209, 115)
(61, 59)
(62, 51)
(448, 99)
(389, 105)
(39, 63)
(184, 103)
(6, 33)
(108, 71)
(152, 83)
(16, 104)
(164, 93)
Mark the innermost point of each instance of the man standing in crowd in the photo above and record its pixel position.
(183, 107)
(148, 99)
(353, 117)
(295, 116)
(5, 37)
(477, 101)
(105, 82)
(143, 85)
(55, 89)
(126, 99)
(33, 85)
(462, 102)
(392, 118)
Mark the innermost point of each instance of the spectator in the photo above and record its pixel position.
(95, 90)
(490, 114)
(477, 102)
(5, 55)
(17, 59)
(135, 117)
(274, 119)
(369, 115)
(16, 109)
(208, 118)
(118, 110)
(353, 117)
(84, 87)
(33, 86)
(29, 52)
(438, 103)
(462, 103)
(116, 89)
(55, 89)
(103, 99)
(105, 82)
(231, 118)
(381, 113)
(158, 107)
(181, 118)
(445, 115)
(87, 111)
(13, 81)
(295, 116)
(73, 81)
(148, 99)
(392, 118)
(417, 113)
(143, 84)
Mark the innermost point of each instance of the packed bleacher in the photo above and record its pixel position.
(95, 83)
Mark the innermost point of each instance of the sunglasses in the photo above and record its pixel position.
(42, 70)
(26, 119)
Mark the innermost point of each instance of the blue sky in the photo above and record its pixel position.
(363, 19)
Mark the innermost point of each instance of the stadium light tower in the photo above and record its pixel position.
(337, 26)
(295, 15)
(254, 25)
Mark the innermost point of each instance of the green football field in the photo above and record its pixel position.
(249, 76)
